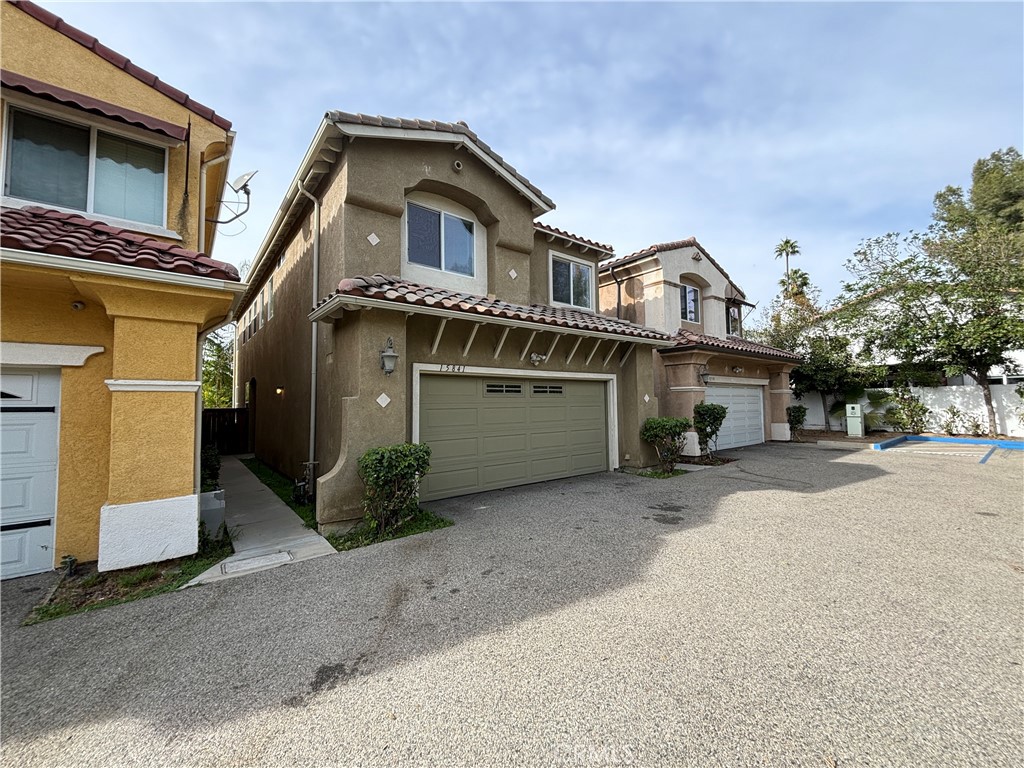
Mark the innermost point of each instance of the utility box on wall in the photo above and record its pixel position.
(854, 421)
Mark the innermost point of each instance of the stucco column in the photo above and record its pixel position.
(779, 398)
(152, 508)
(638, 402)
(682, 389)
(378, 414)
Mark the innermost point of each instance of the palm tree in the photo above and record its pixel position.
(787, 248)
(795, 284)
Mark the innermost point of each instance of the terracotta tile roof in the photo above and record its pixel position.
(121, 62)
(674, 245)
(42, 90)
(569, 235)
(460, 127)
(688, 339)
(402, 293)
(42, 230)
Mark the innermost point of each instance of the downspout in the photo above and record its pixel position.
(618, 293)
(197, 480)
(201, 244)
(313, 337)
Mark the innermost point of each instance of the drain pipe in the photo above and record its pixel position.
(203, 167)
(313, 326)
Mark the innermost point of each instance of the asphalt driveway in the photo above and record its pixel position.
(798, 607)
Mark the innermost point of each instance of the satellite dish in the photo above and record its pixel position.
(241, 184)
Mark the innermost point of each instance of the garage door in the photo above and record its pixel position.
(744, 421)
(28, 474)
(489, 433)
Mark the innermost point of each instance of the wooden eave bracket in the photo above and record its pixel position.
(610, 353)
(438, 335)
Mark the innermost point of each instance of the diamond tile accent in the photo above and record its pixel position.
(647, 398)
(513, 274)
(372, 237)
(383, 400)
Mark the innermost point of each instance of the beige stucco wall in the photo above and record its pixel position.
(651, 292)
(114, 447)
(35, 50)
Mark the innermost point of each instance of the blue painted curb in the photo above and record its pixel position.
(888, 443)
(1013, 445)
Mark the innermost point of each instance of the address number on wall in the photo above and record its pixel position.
(451, 368)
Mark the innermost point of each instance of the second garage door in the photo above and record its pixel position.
(488, 433)
(744, 420)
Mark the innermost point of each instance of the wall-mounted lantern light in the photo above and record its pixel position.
(702, 371)
(279, 391)
(388, 357)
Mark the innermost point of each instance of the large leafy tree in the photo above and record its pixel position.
(217, 373)
(829, 369)
(954, 296)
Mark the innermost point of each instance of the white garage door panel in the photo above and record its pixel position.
(28, 470)
(744, 420)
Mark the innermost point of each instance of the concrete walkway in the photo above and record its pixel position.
(265, 532)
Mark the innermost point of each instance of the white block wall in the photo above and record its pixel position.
(967, 398)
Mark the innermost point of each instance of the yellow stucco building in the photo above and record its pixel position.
(106, 294)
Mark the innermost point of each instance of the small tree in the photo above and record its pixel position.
(796, 415)
(392, 475)
(217, 375)
(827, 369)
(907, 413)
(667, 435)
(707, 421)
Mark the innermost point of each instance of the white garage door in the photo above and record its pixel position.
(28, 475)
(488, 433)
(744, 420)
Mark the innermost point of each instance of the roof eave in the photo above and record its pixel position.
(724, 351)
(334, 307)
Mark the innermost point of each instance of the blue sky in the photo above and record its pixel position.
(736, 123)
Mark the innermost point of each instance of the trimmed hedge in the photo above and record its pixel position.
(667, 436)
(392, 475)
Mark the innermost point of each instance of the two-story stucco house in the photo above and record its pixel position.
(680, 290)
(406, 292)
(109, 177)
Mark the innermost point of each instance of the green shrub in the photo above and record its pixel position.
(392, 475)
(796, 415)
(667, 436)
(907, 413)
(974, 426)
(707, 420)
(209, 468)
(949, 420)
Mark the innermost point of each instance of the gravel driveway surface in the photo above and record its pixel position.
(798, 607)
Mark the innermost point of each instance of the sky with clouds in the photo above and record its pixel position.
(736, 123)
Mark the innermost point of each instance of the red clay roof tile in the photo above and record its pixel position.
(569, 235)
(41, 230)
(459, 127)
(688, 339)
(403, 292)
(53, 93)
(121, 62)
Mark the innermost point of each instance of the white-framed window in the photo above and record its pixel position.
(443, 244)
(571, 280)
(440, 240)
(689, 300)
(270, 298)
(80, 167)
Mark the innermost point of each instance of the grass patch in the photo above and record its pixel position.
(88, 590)
(657, 473)
(283, 488)
(362, 535)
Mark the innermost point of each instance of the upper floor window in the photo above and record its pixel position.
(572, 282)
(443, 244)
(690, 303)
(84, 169)
(440, 240)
